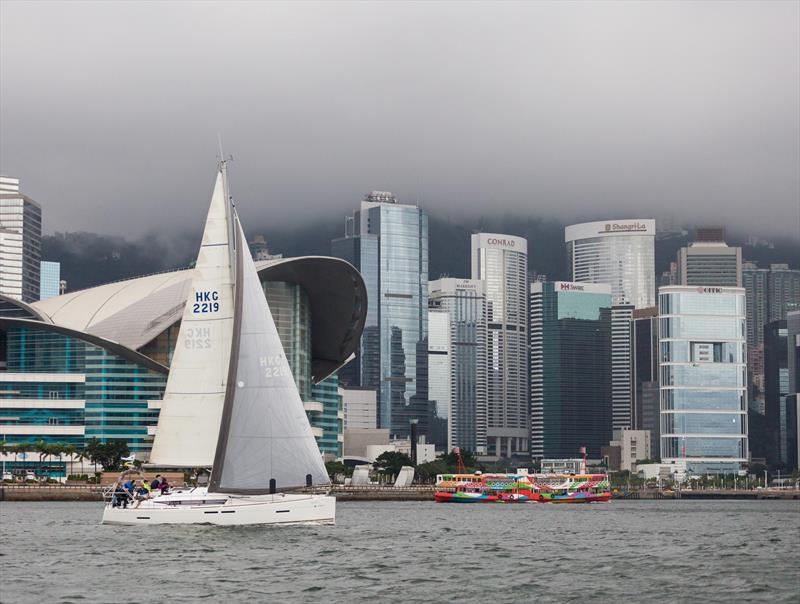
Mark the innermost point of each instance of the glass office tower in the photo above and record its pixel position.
(776, 391)
(387, 242)
(501, 262)
(570, 368)
(703, 388)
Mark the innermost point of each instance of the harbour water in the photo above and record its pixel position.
(710, 551)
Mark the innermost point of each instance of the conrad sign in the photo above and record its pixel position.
(500, 241)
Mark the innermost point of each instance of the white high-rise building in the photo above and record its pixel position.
(620, 253)
(464, 303)
(20, 242)
(501, 261)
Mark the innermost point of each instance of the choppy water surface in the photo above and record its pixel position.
(719, 551)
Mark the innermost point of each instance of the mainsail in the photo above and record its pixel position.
(188, 424)
(265, 441)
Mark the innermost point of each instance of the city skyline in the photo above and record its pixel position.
(618, 125)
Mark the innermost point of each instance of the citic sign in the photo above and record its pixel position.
(709, 290)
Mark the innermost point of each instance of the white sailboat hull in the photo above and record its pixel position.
(200, 507)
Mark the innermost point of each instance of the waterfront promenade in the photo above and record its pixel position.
(82, 492)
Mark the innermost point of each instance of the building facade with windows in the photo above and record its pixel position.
(703, 385)
(501, 262)
(778, 408)
(618, 253)
(49, 279)
(570, 368)
(439, 370)
(793, 363)
(710, 263)
(644, 376)
(20, 242)
(464, 303)
(387, 242)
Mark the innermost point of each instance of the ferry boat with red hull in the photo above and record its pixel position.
(522, 488)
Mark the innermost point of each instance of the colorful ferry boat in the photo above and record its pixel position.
(483, 488)
(521, 488)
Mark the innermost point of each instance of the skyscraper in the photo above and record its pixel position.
(776, 391)
(621, 401)
(703, 378)
(49, 279)
(20, 242)
(570, 368)
(619, 253)
(784, 291)
(439, 374)
(756, 286)
(793, 399)
(501, 261)
(464, 303)
(644, 376)
(709, 261)
(387, 242)
(770, 294)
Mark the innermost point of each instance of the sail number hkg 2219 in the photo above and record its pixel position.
(205, 302)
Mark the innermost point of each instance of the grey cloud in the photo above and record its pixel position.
(110, 111)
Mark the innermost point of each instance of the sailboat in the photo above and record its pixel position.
(231, 403)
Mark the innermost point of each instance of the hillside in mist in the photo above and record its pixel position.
(89, 259)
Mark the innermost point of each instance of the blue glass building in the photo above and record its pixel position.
(570, 368)
(703, 386)
(388, 243)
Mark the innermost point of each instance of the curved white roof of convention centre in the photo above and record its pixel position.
(134, 311)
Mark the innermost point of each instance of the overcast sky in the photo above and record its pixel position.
(110, 111)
